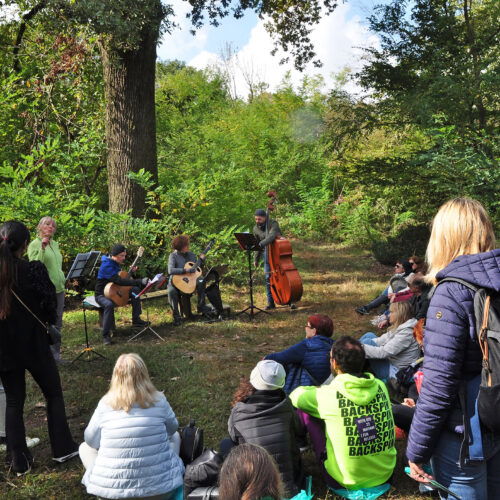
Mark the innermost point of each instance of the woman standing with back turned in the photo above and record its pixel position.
(461, 246)
(27, 299)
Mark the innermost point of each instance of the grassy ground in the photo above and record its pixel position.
(199, 365)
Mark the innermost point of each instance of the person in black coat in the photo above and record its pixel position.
(262, 414)
(27, 300)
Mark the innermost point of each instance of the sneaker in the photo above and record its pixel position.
(65, 458)
(177, 322)
(140, 322)
(106, 340)
(32, 442)
(293, 306)
(270, 306)
(362, 310)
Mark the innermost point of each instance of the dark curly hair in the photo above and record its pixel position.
(179, 242)
(349, 355)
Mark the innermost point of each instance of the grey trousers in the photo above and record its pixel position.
(56, 348)
(108, 306)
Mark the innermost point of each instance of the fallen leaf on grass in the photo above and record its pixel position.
(261, 345)
(175, 378)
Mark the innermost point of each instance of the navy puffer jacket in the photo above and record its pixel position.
(452, 352)
(313, 354)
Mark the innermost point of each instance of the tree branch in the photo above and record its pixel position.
(22, 28)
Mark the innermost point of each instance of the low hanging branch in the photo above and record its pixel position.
(22, 28)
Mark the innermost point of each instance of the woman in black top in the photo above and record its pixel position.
(24, 345)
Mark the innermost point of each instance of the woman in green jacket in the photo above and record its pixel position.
(45, 249)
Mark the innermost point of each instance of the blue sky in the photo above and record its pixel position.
(338, 39)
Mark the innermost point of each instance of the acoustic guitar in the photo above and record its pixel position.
(186, 283)
(120, 294)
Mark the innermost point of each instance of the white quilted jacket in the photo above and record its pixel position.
(134, 458)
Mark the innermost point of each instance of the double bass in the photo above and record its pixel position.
(285, 281)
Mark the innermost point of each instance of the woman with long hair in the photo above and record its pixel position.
(395, 349)
(250, 473)
(27, 301)
(262, 414)
(461, 246)
(131, 448)
(45, 249)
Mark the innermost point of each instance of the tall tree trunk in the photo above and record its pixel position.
(129, 78)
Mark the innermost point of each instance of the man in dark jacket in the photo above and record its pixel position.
(267, 418)
(265, 236)
(108, 273)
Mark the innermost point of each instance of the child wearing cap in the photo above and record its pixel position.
(262, 414)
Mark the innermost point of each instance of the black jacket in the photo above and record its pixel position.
(23, 340)
(267, 418)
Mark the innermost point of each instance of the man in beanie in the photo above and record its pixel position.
(265, 238)
(262, 414)
(108, 273)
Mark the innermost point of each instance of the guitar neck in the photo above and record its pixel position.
(133, 264)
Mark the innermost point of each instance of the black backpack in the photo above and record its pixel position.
(487, 314)
(191, 442)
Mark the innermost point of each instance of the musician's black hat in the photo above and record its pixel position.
(117, 249)
(260, 212)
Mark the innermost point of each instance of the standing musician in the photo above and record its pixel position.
(259, 232)
(176, 262)
(108, 272)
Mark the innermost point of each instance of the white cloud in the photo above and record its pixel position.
(180, 42)
(338, 40)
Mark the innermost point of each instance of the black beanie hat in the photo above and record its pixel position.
(117, 249)
(260, 212)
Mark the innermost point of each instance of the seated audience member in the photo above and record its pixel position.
(397, 283)
(308, 362)
(355, 413)
(131, 444)
(395, 349)
(420, 299)
(262, 414)
(250, 473)
(418, 264)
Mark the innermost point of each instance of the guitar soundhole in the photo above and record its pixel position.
(186, 280)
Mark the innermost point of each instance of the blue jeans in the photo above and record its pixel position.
(267, 271)
(476, 480)
(382, 368)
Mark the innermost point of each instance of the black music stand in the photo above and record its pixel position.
(249, 243)
(82, 268)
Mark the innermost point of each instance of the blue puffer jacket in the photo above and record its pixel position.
(134, 458)
(312, 354)
(452, 352)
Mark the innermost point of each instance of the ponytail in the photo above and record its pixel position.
(13, 235)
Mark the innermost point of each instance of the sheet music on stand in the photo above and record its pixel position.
(157, 282)
(247, 241)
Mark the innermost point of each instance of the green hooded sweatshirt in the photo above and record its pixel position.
(359, 428)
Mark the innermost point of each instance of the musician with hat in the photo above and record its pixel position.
(265, 235)
(108, 273)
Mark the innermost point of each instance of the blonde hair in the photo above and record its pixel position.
(403, 311)
(43, 220)
(461, 227)
(130, 384)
